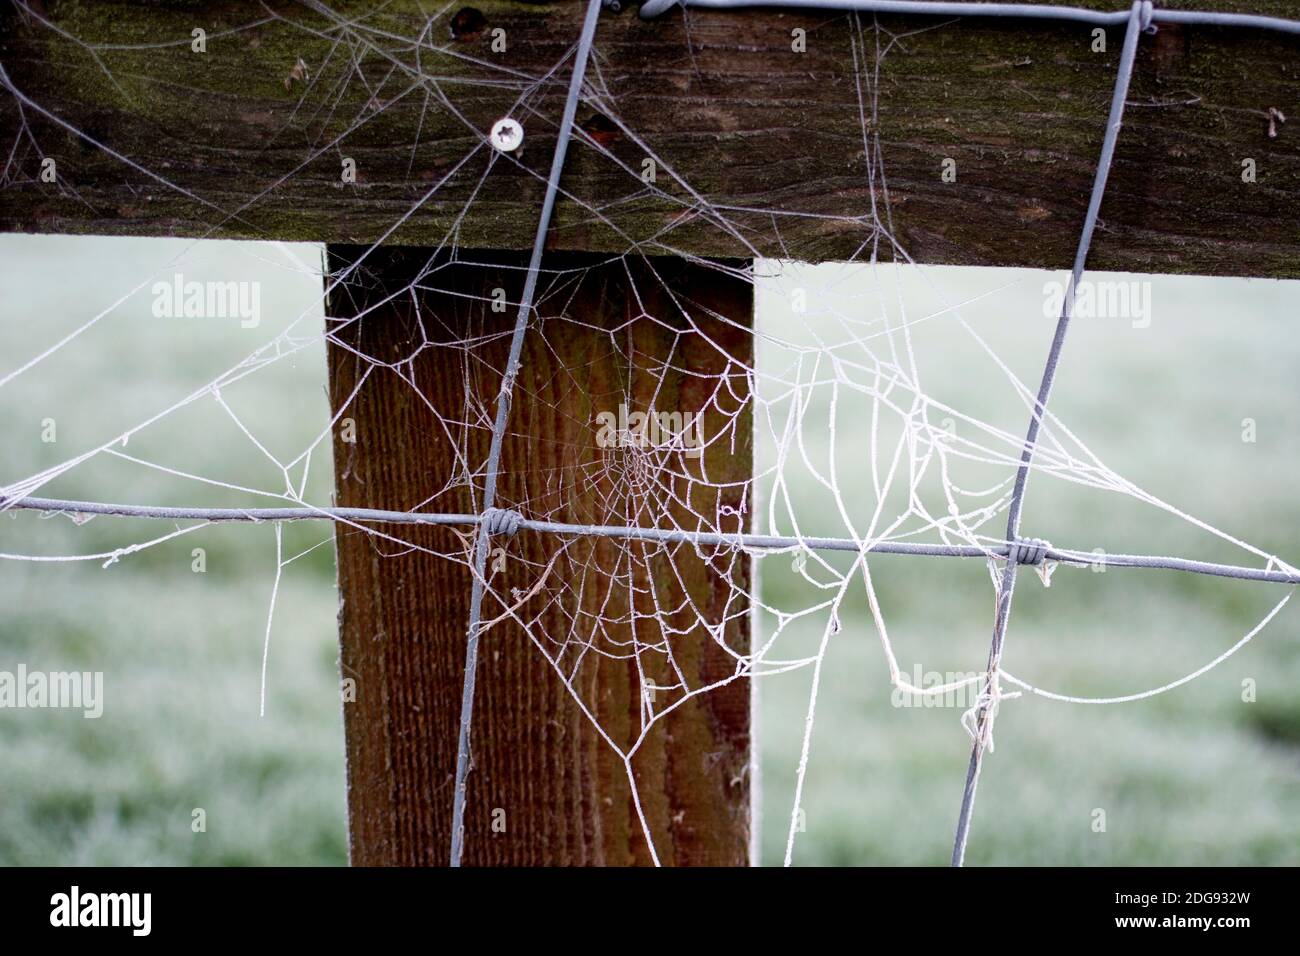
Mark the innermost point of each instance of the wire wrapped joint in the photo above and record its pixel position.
(1031, 551)
(1145, 14)
(501, 521)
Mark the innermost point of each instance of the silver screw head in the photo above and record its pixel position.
(507, 135)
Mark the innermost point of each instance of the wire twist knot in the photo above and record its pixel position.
(1031, 551)
(1145, 14)
(502, 521)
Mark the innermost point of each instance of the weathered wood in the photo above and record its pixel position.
(752, 126)
(539, 767)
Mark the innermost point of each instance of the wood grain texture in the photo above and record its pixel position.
(754, 128)
(538, 762)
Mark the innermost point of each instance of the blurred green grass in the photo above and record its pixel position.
(181, 651)
(1195, 776)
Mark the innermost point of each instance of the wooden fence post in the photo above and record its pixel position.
(545, 788)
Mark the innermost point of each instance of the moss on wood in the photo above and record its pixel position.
(751, 126)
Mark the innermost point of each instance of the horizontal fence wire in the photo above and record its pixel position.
(1097, 557)
(1150, 14)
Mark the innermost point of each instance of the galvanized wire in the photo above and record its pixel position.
(581, 56)
(988, 709)
(1095, 558)
(1150, 14)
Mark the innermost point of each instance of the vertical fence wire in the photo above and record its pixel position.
(581, 56)
(1139, 19)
